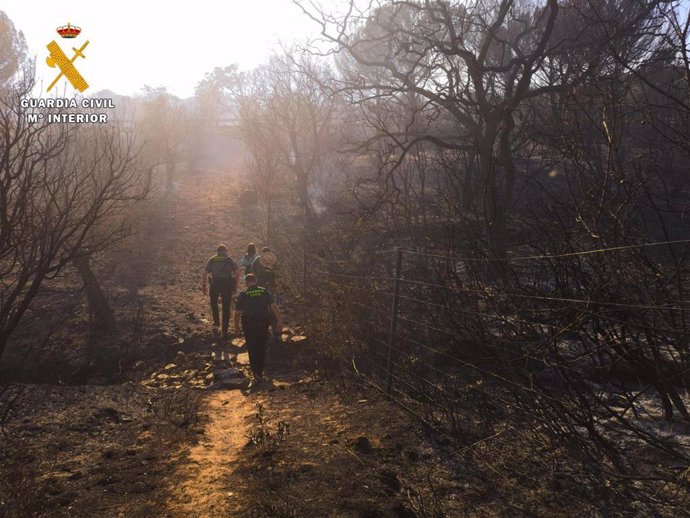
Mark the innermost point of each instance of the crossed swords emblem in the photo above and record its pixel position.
(66, 66)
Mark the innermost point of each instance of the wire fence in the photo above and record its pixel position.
(575, 348)
(427, 324)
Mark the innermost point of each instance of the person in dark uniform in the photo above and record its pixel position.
(254, 307)
(225, 276)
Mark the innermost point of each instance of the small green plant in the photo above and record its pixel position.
(265, 440)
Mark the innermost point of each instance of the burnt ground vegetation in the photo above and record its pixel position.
(481, 214)
(113, 427)
(104, 426)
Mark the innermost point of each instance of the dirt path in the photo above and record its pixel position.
(136, 449)
(203, 214)
(208, 487)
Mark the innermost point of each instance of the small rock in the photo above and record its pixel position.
(363, 445)
(228, 379)
(390, 480)
(228, 373)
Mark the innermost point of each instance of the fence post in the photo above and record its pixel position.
(394, 322)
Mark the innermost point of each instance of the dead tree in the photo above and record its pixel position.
(64, 191)
(567, 119)
(286, 123)
(165, 127)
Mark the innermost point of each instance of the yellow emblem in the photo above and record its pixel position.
(66, 66)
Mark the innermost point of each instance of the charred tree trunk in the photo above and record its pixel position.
(102, 318)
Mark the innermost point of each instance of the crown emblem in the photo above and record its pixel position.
(69, 31)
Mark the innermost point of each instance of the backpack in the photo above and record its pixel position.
(222, 267)
(265, 276)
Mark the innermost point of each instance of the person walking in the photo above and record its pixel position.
(254, 308)
(225, 276)
(248, 259)
(263, 267)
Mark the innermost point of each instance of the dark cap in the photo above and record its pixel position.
(250, 278)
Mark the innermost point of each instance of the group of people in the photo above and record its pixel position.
(255, 307)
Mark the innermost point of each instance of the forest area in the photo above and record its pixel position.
(481, 213)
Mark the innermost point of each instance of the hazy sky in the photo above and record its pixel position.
(155, 42)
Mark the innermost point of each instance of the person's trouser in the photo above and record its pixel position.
(224, 288)
(256, 334)
(270, 286)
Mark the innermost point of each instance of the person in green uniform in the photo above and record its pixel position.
(225, 276)
(254, 308)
